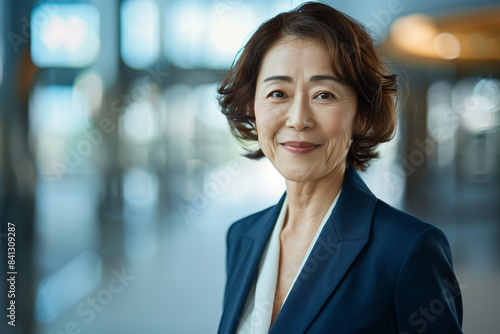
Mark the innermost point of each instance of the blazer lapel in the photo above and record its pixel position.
(343, 237)
(253, 245)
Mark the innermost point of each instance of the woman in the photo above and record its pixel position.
(330, 257)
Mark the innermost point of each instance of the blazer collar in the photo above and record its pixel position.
(343, 237)
(244, 274)
(351, 216)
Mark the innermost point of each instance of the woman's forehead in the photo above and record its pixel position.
(292, 54)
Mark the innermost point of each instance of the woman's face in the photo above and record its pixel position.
(304, 116)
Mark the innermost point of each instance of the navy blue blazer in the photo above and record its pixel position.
(374, 269)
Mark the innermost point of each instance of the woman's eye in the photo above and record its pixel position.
(324, 96)
(277, 93)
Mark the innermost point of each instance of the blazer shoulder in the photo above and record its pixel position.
(400, 222)
(400, 230)
(241, 226)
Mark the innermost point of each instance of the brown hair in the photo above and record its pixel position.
(354, 61)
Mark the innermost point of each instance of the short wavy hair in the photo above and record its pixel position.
(354, 59)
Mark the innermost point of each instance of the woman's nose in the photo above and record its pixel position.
(299, 115)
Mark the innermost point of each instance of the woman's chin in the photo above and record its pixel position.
(298, 175)
(309, 172)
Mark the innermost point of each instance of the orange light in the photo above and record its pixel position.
(465, 36)
(414, 34)
(447, 45)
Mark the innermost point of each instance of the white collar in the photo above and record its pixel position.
(259, 306)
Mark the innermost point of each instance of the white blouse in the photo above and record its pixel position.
(258, 309)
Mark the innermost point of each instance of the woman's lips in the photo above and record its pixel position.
(299, 147)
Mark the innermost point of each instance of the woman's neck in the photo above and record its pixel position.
(308, 202)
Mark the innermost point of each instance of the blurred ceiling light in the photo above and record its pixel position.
(64, 35)
(140, 122)
(228, 34)
(442, 119)
(50, 150)
(414, 34)
(58, 110)
(478, 102)
(447, 45)
(192, 22)
(206, 35)
(185, 33)
(489, 92)
(92, 86)
(463, 36)
(140, 33)
(140, 187)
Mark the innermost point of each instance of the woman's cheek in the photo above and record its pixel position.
(333, 127)
(339, 126)
(266, 118)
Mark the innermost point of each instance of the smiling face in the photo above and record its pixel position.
(304, 115)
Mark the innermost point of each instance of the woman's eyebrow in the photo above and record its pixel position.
(278, 78)
(314, 78)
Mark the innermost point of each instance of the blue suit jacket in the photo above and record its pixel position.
(374, 269)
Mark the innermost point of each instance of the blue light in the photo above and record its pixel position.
(64, 35)
(140, 33)
(59, 110)
(207, 35)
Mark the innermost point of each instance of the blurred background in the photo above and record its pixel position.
(121, 177)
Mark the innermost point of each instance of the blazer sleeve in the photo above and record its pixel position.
(428, 298)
